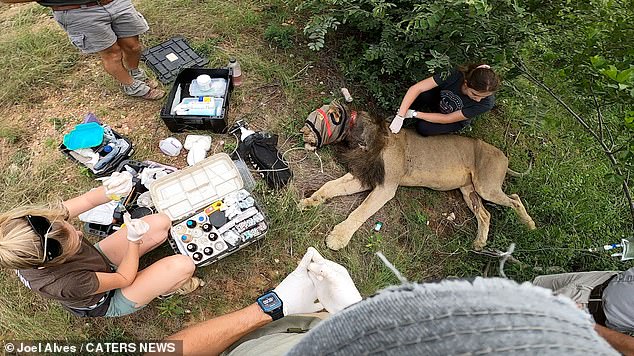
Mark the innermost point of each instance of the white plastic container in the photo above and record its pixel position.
(194, 194)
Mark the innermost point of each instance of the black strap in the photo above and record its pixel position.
(595, 302)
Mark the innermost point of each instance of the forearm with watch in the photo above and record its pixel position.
(296, 294)
(439, 118)
(213, 336)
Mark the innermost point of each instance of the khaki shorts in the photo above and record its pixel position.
(96, 28)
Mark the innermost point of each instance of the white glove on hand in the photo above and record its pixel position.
(119, 184)
(335, 288)
(396, 124)
(409, 114)
(136, 227)
(297, 291)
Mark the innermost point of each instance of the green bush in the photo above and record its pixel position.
(388, 46)
(280, 36)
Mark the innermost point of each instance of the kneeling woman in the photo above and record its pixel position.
(53, 259)
(448, 104)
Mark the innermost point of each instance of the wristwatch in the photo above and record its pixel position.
(271, 304)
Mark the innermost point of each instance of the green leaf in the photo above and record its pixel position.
(611, 72)
(629, 119)
(597, 62)
(625, 75)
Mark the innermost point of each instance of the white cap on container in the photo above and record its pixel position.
(171, 146)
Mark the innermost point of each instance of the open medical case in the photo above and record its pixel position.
(112, 162)
(212, 214)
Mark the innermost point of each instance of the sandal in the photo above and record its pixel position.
(154, 94)
(153, 84)
(189, 286)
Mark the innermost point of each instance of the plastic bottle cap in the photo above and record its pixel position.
(107, 149)
(232, 60)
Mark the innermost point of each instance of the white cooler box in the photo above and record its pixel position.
(212, 214)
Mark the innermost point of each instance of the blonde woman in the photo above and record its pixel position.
(52, 258)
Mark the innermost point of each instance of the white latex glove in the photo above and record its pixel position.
(335, 288)
(297, 291)
(396, 124)
(409, 114)
(196, 154)
(136, 227)
(119, 184)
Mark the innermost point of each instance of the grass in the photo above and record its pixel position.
(34, 54)
(574, 206)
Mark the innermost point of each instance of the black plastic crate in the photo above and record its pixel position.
(169, 57)
(180, 123)
(111, 166)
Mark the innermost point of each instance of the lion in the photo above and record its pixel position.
(385, 161)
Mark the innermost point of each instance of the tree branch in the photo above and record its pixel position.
(615, 165)
(599, 116)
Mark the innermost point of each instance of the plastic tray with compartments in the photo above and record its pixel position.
(212, 215)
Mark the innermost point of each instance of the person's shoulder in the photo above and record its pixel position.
(447, 77)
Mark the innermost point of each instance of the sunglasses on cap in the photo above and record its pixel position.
(42, 226)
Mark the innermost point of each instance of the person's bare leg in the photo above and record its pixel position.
(114, 246)
(161, 277)
(112, 60)
(131, 48)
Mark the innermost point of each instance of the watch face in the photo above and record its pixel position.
(269, 302)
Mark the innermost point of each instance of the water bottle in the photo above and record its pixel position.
(237, 72)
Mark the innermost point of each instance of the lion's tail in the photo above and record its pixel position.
(513, 173)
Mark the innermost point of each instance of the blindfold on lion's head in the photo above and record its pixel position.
(362, 138)
(329, 124)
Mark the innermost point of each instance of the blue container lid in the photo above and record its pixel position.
(84, 136)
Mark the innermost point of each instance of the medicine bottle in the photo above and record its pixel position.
(237, 71)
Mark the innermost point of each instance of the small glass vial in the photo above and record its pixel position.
(237, 72)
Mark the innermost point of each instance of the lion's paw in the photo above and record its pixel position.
(337, 239)
(307, 203)
(478, 244)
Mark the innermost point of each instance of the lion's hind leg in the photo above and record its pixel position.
(345, 185)
(497, 196)
(474, 202)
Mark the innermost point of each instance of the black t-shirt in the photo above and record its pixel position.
(452, 99)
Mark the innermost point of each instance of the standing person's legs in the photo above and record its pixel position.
(111, 58)
(131, 47)
(576, 286)
(128, 24)
(92, 30)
